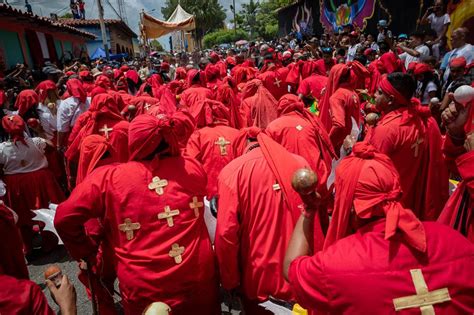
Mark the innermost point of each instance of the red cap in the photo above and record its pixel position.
(459, 62)
(368, 51)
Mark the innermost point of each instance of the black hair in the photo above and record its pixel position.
(418, 34)
(403, 83)
(383, 46)
(360, 58)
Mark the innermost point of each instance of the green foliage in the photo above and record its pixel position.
(156, 45)
(210, 15)
(67, 15)
(223, 37)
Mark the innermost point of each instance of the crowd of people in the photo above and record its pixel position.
(173, 175)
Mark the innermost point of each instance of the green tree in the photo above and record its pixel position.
(210, 15)
(67, 15)
(267, 18)
(224, 37)
(249, 13)
(156, 45)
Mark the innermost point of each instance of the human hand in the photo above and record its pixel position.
(469, 143)
(311, 201)
(64, 296)
(455, 117)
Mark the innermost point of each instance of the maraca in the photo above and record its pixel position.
(371, 119)
(54, 274)
(157, 308)
(132, 109)
(304, 181)
(33, 123)
(464, 94)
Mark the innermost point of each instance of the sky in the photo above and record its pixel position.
(132, 8)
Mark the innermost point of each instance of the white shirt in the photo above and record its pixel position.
(19, 158)
(422, 49)
(68, 111)
(466, 51)
(438, 22)
(48, 121)
(430, 87)
(351, 52)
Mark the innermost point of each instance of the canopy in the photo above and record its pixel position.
(100, 53)
(180, 20)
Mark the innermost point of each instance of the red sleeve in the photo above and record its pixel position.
(465, 165)
(227, 242)
(308, 281)
(193, 148)
(39, 304)
(382, 138)
(304, 88)
(84, 203)
(338, 119)
(451, 152)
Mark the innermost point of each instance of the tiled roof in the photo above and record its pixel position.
(89, 22)
(9, 11)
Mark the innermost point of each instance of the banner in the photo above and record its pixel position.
(461, 13)
(336, 14)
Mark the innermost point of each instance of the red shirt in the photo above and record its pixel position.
(378, 272)
(254, 226)
(423, 173)
(145, 268)
(203, 145)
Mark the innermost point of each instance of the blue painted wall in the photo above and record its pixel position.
(10, 45)
(92, 45)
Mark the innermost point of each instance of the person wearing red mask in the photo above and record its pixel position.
(378, 257)
(149, 205)
(257, 210)
(31, 185)
(411, 138)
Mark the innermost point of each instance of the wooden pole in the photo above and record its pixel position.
(102, 29)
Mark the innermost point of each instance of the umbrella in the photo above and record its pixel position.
(241, 42)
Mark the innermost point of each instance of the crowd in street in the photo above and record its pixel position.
(180, 176)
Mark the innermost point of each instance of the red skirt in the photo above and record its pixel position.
(31, 191)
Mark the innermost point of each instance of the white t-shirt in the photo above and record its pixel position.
(351, 52)
(68, 111)
(19, 158)
(430, 87)
(466, 51)
(422, 49)
(48, 121)
(438, 22)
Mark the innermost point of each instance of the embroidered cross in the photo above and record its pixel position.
(106, 131)
(277, 82)
(176, 252)
(195, 205)
(299, 127)
(168, 215)
(128, 227)
(147, 106)
(416, 145)
(158, 184)
(423, 298)
(222, 143)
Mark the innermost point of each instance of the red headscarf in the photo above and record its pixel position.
(165, 67)
(421, 68)
(93, 148)
(212, 72)
(146, 132)
(132, 75)
(25, 100)
(459, 62)
(226, 95)
(335, 75)
(191, 76)
(14, 125)
(251, 88)
(97, 90)
(104, 108)
(389, 62)
(180, 73)
(209, 112)
(104, 82)
(263, 109)
(244, 74)
(43, 88)
(368, 182)
(75, 88)
(388, 89)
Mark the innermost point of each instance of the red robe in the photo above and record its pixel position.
(322, 68)
(312, 86)
(22, 297)
(254, 226)
(424, 178)
(459, 210)
(12, 260)
(274, 83)
(145, 269)
(343, 105)
(213, 157)
(192, 95)
(378, 272)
